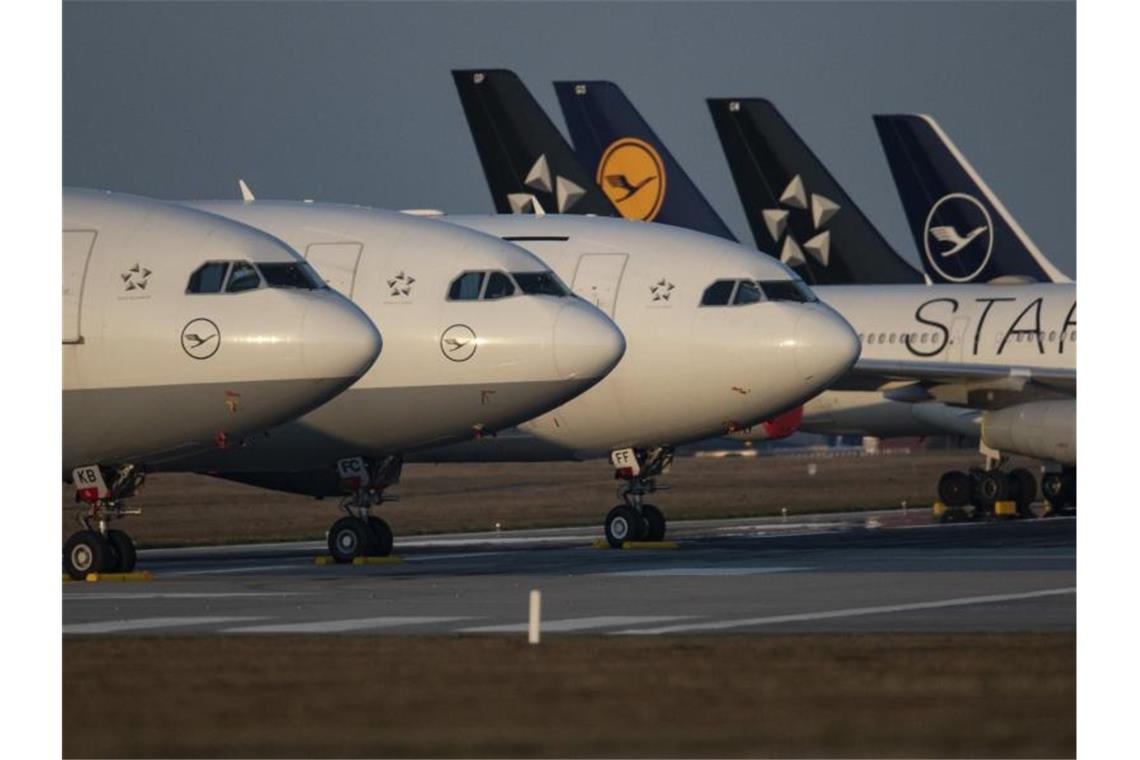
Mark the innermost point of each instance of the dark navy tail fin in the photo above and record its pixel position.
(529, 165)
(963, 232)
(796, 209)
(632, 166)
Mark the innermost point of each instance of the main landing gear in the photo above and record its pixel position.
(636, 520)
(984, 487)
(359, 533)
(98, 548)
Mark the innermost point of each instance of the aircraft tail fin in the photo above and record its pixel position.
(528, 163)
(796, 209)
(631, 165)
(962, 230)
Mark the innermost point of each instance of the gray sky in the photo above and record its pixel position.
(353, 102)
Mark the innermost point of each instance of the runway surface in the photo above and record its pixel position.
(824, 573)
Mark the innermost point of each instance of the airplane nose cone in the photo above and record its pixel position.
(825, 347)
(338, 339)
(587, 345)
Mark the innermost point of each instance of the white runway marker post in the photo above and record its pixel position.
(535, 616)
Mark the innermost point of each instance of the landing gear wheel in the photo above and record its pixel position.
(623, 524)
(991, 487)
(349, 538)
(954, 489)
(124, 550)
(87, 552)
(654, 522)
(381, 537)
(1052, 488)
(1024, 491)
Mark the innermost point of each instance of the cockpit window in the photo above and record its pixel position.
(788, 290)
(719, 293)
(540, 284)
(208, 278)
(291, 274)
(498, 286)
(747, 292)
(466, 286)
(242, 277)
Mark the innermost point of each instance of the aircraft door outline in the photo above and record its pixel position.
(337, 264)
(597, 279)
(77, 248)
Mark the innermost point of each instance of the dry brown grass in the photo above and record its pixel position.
(1000, 695)
(187, 509)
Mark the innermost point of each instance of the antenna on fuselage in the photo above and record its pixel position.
(246, 193)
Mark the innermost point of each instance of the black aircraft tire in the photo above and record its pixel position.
(382, 538)
(623, 524)
(87, 552)
(654, 523)
(954, 488)
(349, 538)
(1024, 490)
(125, 553)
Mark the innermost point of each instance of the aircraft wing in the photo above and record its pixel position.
(981, 386)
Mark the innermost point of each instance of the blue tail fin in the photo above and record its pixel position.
(529, 165)
(796, 209)
(632, 166)
(963, 232)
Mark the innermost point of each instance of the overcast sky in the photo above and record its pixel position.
(353, 102)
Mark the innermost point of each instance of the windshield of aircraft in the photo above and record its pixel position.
(239, 276)
(488, 286)
(744, 292)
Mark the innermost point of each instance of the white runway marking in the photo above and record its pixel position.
(713, 571)
(225, 570)
(341, 626)
(575, 624)
(142, 624)
(851, 612)
(95, 596)
(452, 555)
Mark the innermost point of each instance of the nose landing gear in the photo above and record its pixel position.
(359, 533)
(636, 520)
(97, 548)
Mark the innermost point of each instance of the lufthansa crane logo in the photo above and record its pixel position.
(958, 237)
(201, 338)
(632, 175)
(458, 343)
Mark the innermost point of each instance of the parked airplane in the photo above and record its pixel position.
(479, 335)
(835, 237)
(156, 365)
(962, 230)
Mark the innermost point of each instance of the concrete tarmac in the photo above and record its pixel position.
(854, 572)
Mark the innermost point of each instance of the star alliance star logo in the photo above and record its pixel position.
(796, 198)
(566, 193)
(135, 278)
(401, 285)
(661, 290)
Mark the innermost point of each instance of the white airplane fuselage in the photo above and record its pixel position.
(690, 371)
(972, 351)
(152, 371)
(452, 369)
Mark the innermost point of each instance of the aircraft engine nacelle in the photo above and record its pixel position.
(1041, 429)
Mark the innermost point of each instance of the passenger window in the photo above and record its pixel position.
(860, 337)
(498, 286)
(466, 286)
(243, 277)
(924, 337)
(892, 338)
(870, 338)
(719, 293)
(208, 278)
(747, 292)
